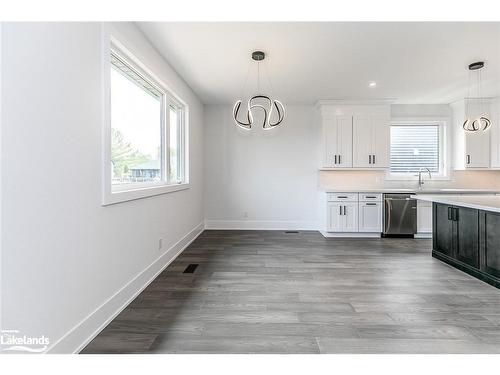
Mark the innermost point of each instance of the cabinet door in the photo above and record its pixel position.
(362, 140)
(344, 145)
(350, 217)
(495, 136)
(370, 217)
(338, 141)
(331, 141)
(467, 235)
(442, 238)
(477, 149)
(424, 217)
(381, 141)
(490, 243)
(335, 218)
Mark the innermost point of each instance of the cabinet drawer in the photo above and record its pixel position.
(341, 197)
(370, 217)
(367, 197)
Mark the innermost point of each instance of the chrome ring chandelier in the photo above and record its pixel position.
(479, 122)
(273, 110)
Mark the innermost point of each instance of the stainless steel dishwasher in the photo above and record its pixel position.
(400, 215)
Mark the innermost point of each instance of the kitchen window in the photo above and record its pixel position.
(145, 128)
(415, 146)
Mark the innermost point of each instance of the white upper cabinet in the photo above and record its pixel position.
(371, 135)
(338, 141)
(495, 134)
(381, 126)
(355, 136)
(477, 150)
(362, 141)
(471, 149)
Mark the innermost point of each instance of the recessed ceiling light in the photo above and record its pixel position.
(372, 84)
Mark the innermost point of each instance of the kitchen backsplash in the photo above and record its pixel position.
(377, 179)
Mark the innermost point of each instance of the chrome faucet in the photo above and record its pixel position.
(420, 179)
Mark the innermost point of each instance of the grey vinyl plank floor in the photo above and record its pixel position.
(277, 292)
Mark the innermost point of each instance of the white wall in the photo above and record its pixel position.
(68, 263)
(270, 175)
(432, 111)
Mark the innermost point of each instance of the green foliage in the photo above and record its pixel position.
(123, 154)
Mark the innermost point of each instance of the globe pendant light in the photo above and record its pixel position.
(475, 120)
(272, 109)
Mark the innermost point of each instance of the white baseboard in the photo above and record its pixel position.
(423, 235)
(261, 225)
(350, 234)
(81, 334)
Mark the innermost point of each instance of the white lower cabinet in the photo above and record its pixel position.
(424, 219)
(350, 216)
(354, 212)
(370, 216)
(334, 217)
(342, 217)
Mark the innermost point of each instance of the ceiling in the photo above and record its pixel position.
(410, 62)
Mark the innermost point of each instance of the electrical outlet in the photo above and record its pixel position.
(160, 243)
(245, 214)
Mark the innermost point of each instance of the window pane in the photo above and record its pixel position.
(136, 127)
(414, 147)
(174, 145)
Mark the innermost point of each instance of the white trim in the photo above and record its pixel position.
(261, 225)
(382, 101)
(127, 192)
(350, 234)
(81, 334)
(352, 168)
(423, 235)
(144, 192)
(403, 119)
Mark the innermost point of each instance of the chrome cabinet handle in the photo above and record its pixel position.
(335, 160)
(340, 162)
(373, 158)
(369, 159)
(371, 204)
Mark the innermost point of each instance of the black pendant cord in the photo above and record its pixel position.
(258, 77)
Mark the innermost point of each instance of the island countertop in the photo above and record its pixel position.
(479, 202)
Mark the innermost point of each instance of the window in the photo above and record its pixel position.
(146, 149)
(415, 146)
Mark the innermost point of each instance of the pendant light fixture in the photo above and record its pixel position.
(475, 115)
(273, 110)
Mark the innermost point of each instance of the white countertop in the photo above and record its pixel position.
(414, 191)
(480, 202)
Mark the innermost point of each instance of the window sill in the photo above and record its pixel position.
(140, 192)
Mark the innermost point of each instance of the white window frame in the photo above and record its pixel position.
(444, 151)
(127, 192)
